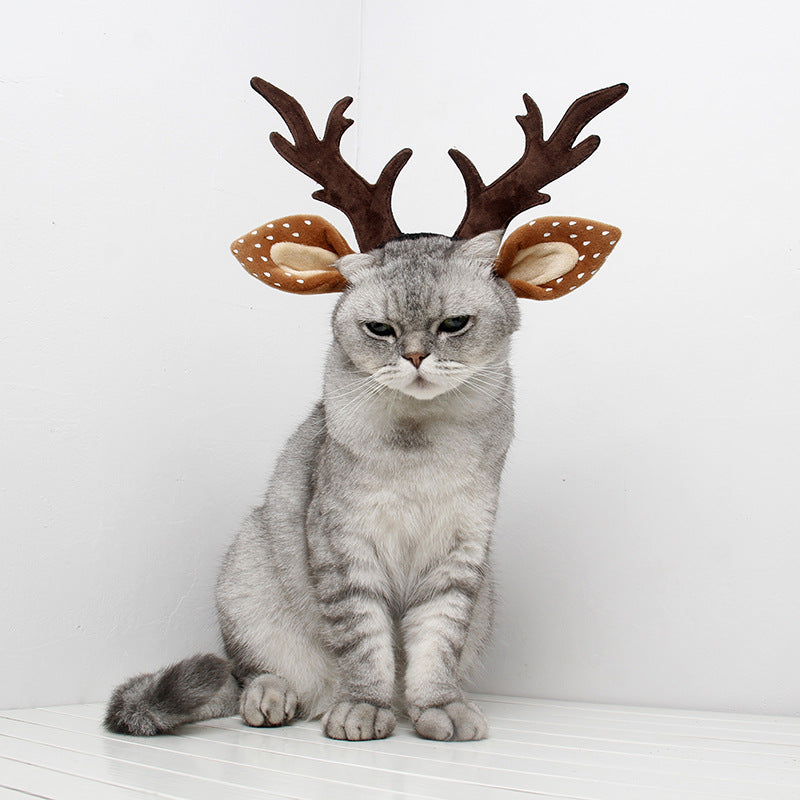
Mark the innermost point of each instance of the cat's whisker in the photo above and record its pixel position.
(489, 390)
(343, 391)
(364, 401)
(356, 403)
(395, 397)
(349, 389)
(500, 373)
(500, 381)
(353, 402)
(458, 391)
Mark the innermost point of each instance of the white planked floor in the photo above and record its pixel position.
(537, 748)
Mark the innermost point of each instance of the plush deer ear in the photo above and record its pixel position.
(552, 256)
(295, 254)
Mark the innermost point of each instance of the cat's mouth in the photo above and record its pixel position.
(423, 388)
(421, 384)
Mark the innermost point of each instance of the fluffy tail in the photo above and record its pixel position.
(200, 687)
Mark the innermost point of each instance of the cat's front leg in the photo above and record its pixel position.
(358, 627)
(435, 629)
(360, 633)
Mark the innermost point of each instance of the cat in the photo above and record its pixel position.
(362, 587)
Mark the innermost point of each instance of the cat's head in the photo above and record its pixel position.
(423, 314)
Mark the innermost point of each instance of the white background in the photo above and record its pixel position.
(647, 544)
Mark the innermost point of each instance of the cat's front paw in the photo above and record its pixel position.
(358, 721)
(267, 701)
(457, 722)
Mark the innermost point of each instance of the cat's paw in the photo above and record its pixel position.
(457, 722)
(358, 721)
(268, 700)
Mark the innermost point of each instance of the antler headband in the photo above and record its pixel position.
(542, 260)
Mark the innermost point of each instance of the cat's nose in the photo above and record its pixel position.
(415, 358)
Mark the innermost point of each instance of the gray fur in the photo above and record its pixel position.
(459, 721)
(194, 689)
(362, 586)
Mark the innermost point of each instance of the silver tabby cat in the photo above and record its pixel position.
(362, 587)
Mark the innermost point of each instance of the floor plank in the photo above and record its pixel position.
(537, 749)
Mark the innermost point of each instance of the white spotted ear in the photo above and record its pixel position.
(295, 254)
(551, 257)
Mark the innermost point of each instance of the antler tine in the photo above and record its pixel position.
(531, 123)
(337, 122)
(290, 110)
(469, 173)
(583, 111)
(493, 207)
(368, 206)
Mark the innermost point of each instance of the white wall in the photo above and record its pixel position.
(647, 541)
(147, 382)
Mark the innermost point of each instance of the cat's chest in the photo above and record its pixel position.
(414, 508)
(415, 487)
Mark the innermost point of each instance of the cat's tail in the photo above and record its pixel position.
(200, 687)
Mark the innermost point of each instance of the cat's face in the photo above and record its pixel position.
(423, 315)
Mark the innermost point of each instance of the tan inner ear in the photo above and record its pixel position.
(294, 257)
(543, 262)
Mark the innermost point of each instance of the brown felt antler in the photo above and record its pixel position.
(368, 206)
(493, 207)
(542, 260)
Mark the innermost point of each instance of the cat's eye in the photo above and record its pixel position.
(380, 329)
(453, 324)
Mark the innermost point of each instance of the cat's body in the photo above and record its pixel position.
(363, 583)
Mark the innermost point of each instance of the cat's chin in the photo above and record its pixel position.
(423, 389)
